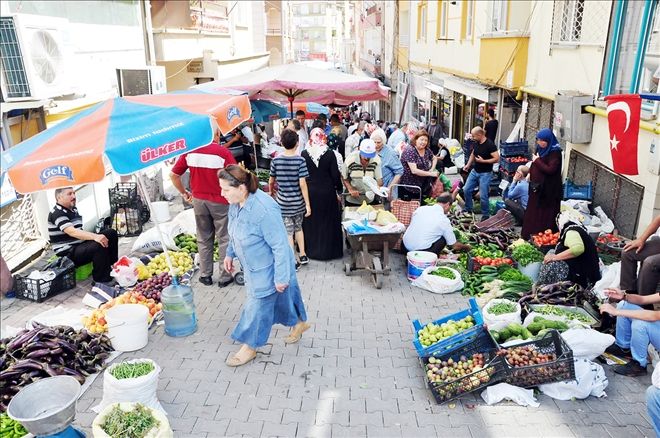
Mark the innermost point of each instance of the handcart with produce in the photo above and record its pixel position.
(370, 248)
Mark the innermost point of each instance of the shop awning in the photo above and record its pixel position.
(473, 89)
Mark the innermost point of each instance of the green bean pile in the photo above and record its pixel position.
(126, 370)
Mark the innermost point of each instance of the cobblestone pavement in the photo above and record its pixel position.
(355, 373)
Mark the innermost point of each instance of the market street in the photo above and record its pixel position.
(355, 373)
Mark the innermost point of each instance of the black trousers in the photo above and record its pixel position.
(102, 258)
(516, 209)
(435, 247)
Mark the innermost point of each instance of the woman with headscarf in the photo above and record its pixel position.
(545, 186)
(323, 235)
(574, 258)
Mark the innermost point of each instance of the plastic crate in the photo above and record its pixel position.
(473, 265)
(127, 211)
(515, 148)
(582, 192)
(83, 272)
(510, 167)
(457, 341)
(559, 370)
(494, 370)
(40, 290)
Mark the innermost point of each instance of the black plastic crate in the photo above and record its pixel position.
(493, 371)
(127, 211)
(515, 148)
(561, 369)
(40, 290)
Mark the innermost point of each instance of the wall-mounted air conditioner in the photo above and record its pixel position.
(35, 57)
(142, 80)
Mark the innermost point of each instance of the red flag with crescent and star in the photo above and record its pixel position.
(623, 113)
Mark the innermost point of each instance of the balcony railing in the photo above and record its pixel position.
(275, 31)
(208, 22)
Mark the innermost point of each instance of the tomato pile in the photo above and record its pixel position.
(546, 238)
(608, 238)
(493, 261)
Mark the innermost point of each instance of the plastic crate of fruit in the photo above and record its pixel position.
(471, 367)
(533, 363)
(515, 148)
(449, 333)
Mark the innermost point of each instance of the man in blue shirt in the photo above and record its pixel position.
(390, 164)
(516, 195)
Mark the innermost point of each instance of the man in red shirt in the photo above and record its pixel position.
(210, 206)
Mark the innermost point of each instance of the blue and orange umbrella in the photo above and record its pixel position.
(132, 132)
(312, 110)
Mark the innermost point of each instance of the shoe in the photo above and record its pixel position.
(110, 282)
(296, 333)
(304, 260)
(206, 281)
(297, 266)
(631, 369)
(225, 283)
(236, 361)
(617, 351)
(483, 218)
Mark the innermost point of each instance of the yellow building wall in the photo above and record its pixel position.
(503, 61)
(24, 130)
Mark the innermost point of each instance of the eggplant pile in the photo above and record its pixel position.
(465, 223)
(562, 293)
(46, 352)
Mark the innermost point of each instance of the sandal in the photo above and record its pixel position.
(236, 361)
(296, 333)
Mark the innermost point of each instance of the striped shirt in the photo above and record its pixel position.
(287, 171)
(59, 219)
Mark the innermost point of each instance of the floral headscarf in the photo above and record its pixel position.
(317, 145)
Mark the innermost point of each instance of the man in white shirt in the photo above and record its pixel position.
(430, 229)
(353, 140)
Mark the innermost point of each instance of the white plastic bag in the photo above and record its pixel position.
(587, 343)
(140, 389)
(149, 240)
(186, 220)
(163, 430)
(496, 393)
(125, 271)
(610, 276)
(437, 284)
(571, 323)
(607, 226)
(590, 379)
(498, 322)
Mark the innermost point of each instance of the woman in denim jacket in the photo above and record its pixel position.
(258, 238)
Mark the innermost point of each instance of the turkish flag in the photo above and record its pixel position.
(623, 112)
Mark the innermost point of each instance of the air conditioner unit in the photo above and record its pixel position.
(35, 57)
(142, 80)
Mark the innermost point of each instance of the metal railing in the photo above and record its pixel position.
(580, 22)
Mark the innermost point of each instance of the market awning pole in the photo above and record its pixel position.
(145, 195)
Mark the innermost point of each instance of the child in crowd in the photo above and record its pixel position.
(289, 171)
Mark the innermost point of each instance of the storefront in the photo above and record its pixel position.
(469, 104)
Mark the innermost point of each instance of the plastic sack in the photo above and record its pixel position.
(590, 379)
(498, 322)
(572, 323)
(607, 226)
(125, 271)
(140, 389)
(385, 218)
(587, 343)
(186, 220)
(163, 430)
(610, 276)
(496, 393)
(149, 240)
(437, 284)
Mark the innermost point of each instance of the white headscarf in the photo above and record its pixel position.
(317, 145)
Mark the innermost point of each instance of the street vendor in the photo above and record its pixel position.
(574, 258)
(69, 239)
(211, 208)
(360, 164)
(636, 328)
(645, 250)
(430, 228)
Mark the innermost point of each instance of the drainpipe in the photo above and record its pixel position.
(642, 43)
(145, 9)
(610, 68)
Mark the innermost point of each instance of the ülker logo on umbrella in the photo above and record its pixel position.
(151, 154)
(623, 114)
(56, 172)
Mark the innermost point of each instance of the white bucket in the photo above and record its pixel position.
(532, 270)
(128, 326)
(161, 211)
(418, 261)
